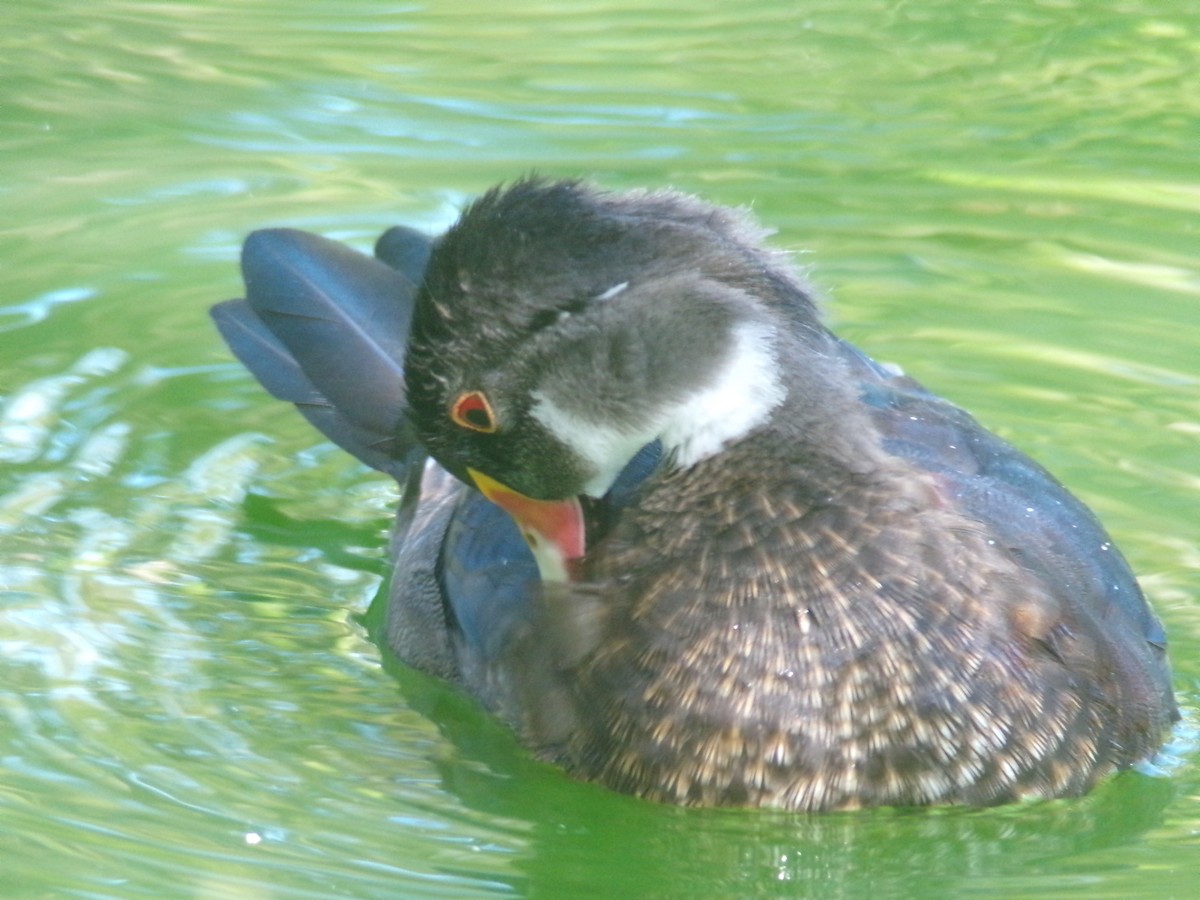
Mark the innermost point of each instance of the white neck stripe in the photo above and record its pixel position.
(740, 397)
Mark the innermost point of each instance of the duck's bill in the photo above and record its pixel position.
(553, 529)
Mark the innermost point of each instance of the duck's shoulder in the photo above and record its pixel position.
(1052, 535)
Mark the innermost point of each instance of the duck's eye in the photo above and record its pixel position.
(472, 411)
(547, 317)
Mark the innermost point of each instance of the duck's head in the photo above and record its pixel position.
(560, 329)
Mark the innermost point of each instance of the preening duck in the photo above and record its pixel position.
(685, 540)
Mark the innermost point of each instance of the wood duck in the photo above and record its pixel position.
(685, 540)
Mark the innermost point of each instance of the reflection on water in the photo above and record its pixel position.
(154, 716)
(19, 315)
(1002, 199)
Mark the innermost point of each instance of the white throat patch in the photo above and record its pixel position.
(739, 398)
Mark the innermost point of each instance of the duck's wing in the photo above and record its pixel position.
(1041, 523)
(461, 559)
(325, 327)
(462, 580)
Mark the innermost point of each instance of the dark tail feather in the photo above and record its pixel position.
(343, 316)
(275, 368)
(325, 327)
(406, 250)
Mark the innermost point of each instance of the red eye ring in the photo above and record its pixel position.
(472, 411)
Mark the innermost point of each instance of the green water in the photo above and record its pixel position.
(1003, 197)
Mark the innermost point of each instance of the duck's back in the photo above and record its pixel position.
(1044, 527)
